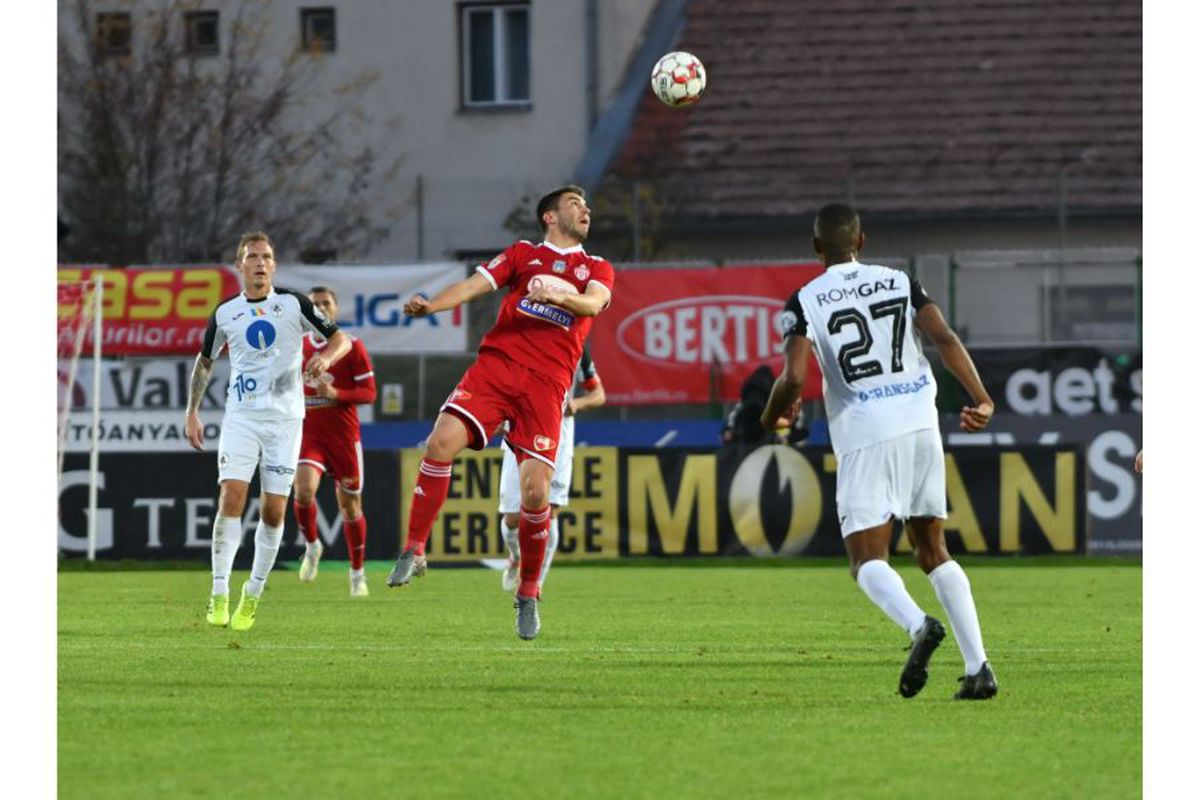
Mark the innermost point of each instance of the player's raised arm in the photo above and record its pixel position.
(589, 304)
(956, 358)
(452, 296)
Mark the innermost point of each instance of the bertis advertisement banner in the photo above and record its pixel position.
(694, 335)
(162, 505)
(767, 501)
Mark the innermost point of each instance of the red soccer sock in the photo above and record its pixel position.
(306, 520)
(433, 482)
(534, 535)
(355, 532)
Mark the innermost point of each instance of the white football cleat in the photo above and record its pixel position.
(312, 557)
(358, 585)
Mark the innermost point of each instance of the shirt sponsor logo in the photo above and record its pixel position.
(261, 334)
(279, 469)
(547, 313)
(541, 443)
(894, 389)
(864, 289)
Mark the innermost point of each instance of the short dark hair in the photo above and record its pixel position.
(325, 289)
(837, 227)
(252, 236)
(549, 201)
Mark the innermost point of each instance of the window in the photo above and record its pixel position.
(318, 30)
(203, 31)
(114, 33)
(495, 55)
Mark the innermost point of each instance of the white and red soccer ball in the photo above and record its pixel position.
(678, 79)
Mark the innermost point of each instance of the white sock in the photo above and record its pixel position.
(355, 573)
(310, 547)
(226, 538)
(512, 540)
(551, 546)
(886, 589)
(952, 588)
(266, 547)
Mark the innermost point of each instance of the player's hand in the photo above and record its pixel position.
(547, 295)
(194, 430)
(1137, 462)
(418, 306)
(325, 389)
(977, 418)
(317, 366)
(570, 409)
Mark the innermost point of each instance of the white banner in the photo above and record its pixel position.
(143, 383)
(125, 431)
(371, 301)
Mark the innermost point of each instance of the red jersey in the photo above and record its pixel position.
(354, 379)
(545, 338)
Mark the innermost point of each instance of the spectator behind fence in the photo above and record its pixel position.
(742, 425)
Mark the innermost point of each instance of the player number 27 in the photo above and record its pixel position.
(897, 309)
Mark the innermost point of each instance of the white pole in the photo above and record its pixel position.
(94, 467)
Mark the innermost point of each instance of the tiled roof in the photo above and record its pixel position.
(939, 108)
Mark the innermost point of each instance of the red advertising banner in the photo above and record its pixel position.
(694, 335)
(154, 311)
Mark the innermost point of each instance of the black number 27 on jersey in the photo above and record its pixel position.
(848, 357)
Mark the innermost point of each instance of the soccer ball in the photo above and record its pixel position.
(678, 79)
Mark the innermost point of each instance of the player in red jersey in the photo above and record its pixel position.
(331, 444)
(523, 374)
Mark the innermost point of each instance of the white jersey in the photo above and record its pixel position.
(877, 381)
(265, 339)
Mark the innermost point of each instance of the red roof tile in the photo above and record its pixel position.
(938, 107)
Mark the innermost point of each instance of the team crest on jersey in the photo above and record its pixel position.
(277, 310)
(223, 460)
(541, 443)
(582, 272)
(559, 266)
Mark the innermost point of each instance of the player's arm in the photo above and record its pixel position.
(337, 342)
(593, 300)
(452, 296)
(956, 358)
(201, 374)
(364, 380)
(594, 397)
(796, 352)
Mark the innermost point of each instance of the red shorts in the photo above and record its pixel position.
(341, 458)
(496, 389)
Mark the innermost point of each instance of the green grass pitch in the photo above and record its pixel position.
(664, 681)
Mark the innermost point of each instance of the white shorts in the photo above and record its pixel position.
(560, 481)
(901, 477)
(273, 446)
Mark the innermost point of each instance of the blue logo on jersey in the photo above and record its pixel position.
(243, 386)
(260, 334)
(547, 312)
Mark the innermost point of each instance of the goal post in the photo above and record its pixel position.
(80, 314)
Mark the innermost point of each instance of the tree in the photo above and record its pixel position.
(168, 155)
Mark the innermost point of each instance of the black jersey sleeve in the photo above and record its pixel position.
(792, 322)
(918, 296)
(210, 348)
(587, 367)
(312, 316)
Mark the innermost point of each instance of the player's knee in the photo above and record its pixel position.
(305, 496)
(512, 520)
(350, 506)
(232, 501)
(534, 495)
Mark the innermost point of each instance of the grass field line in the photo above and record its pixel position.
(241, 644)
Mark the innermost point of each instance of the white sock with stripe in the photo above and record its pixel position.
(266, 547)
(226, 538)
(551, 546)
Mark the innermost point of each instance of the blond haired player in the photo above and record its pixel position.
(264, 412)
